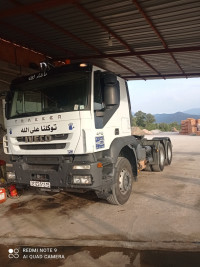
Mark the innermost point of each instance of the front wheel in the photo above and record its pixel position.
(122, 188)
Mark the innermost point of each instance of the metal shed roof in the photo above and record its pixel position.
(149, 39)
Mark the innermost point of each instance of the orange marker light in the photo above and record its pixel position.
(99, 165)
(67, 61)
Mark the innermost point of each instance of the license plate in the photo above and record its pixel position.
(40, 184)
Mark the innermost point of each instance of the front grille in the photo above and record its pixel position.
(54, 137)
(42, 146)
(41, 160)
(37, 167)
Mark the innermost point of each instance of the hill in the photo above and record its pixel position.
(174, 117)
(195, 111)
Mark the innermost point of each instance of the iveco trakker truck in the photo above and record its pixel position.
(69, 128)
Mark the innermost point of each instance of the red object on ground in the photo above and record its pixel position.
(12, 190)
(2, 195)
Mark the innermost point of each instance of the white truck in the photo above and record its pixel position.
(69, 128)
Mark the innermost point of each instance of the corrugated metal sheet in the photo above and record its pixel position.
(5, 4)
(81, 30)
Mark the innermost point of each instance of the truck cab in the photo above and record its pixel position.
(68, 128)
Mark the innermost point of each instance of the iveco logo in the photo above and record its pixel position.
(38, 138)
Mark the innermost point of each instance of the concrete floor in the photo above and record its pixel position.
(163, 211)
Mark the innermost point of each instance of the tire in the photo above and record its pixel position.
(122, 187)
(168, 160)
(161, 160)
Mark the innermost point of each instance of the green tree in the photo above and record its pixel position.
(164, 127)
(150, 119)
(144, 120)
(175, 125)
(140, 118)
(133, 121)
(147, 121)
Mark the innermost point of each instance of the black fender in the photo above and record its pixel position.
(124, 147)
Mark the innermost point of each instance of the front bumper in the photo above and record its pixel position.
(59, 171)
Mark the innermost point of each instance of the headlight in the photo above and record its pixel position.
(81, 167)
(10, 175)
(82, 179)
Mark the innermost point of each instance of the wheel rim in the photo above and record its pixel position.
(124, 181)
(169, 153)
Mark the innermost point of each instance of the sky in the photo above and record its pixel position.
(164, 96)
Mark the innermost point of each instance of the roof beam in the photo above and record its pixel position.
(38, 39)
(18, 55)
(38, 6)
(123, 66)
(107, 29)
(57, 27)
(102, 25)
(73, 36)
(142, 53)
(179, 75)
(66, 32)
(149, 21)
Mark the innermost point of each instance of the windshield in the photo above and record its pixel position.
(53, 94)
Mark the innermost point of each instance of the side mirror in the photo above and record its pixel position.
(111, 95)
(8, 104)
(111, 90)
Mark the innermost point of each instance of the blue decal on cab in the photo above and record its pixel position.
(71, 126)
(99, 141)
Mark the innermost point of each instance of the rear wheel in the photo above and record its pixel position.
(161, 160)
(122, 188)
(169, 154)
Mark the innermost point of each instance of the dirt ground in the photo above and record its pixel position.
(163, 214)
